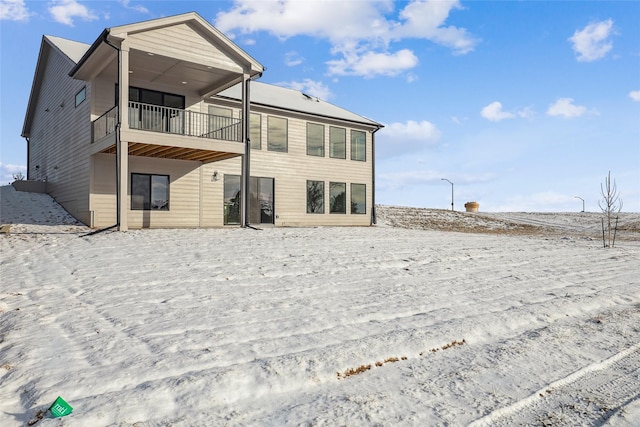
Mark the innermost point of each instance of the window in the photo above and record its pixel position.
(149, 192)
(232, 199)
(358, 198)
(255, 130)
(261, 200)
(81, 96)
(337, 142)
(358, 145)
(315, 197)
(277, 134)
(315, 139)
(337, 197)
(220, 122)
(153, 97)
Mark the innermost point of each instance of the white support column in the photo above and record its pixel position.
(122, 147)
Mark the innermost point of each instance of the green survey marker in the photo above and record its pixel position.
(60, 408)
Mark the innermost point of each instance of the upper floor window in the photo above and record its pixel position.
(337, 142)
(277, 134)
(358, 145)
(154, 97)
(149, 192)
(315, 139)
(81, 96)
(255, 131)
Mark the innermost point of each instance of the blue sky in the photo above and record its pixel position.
(523, 105)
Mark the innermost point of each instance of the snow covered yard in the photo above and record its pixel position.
(389, 325)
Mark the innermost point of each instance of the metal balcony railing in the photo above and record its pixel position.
(171, 120)
(104, 125)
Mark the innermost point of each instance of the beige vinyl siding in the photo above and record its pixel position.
(292, 169)
(60, 137)
(184, 192)
(183, 42)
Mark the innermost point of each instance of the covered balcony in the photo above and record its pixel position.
(210, 129)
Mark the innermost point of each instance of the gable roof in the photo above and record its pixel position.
(115, 35)
(78, 53)
(293, 100)
(70, 50)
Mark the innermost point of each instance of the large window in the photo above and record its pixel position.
(315, 139)
(337, 142)
(337, 197)
(358, 145)
(157, 111)
(315, 197)
(153, 97)
(358, 198)
(276, 134)
(255, 130)
(149, 192)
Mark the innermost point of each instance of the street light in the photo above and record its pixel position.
(578, 197)
(445, 179)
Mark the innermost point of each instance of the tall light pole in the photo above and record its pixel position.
(445, 179)
(578, 197)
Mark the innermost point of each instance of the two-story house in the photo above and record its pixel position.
(161, 124)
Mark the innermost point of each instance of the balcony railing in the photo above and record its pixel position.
(171, 120)
(104, 125)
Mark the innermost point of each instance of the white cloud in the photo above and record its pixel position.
(359, 31)
(396, 139)
(406, 179)
(592, 42)
(371, 64)
(14, 10)
(412, 130)
(425, 19)
(137, 8)
(310, 87)
(64, 11)
(494, 112)
(635, 95)
(566, 108)
(292, 59)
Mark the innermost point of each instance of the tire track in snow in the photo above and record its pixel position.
(594, 393)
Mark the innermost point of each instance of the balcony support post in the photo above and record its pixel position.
(246, 160)
(122, 147)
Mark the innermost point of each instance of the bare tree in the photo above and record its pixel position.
(611, 205)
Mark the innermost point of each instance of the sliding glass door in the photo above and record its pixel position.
(261, 200)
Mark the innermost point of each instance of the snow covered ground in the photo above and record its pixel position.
(430, 318)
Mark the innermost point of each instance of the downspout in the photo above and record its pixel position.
(28, 157)
(246, 167)
(373, 176)
(118, 198)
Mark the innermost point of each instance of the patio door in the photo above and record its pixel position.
(261, 200)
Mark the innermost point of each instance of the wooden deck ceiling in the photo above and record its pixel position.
(176, 153)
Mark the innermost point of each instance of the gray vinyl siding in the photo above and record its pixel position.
(60, 137)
